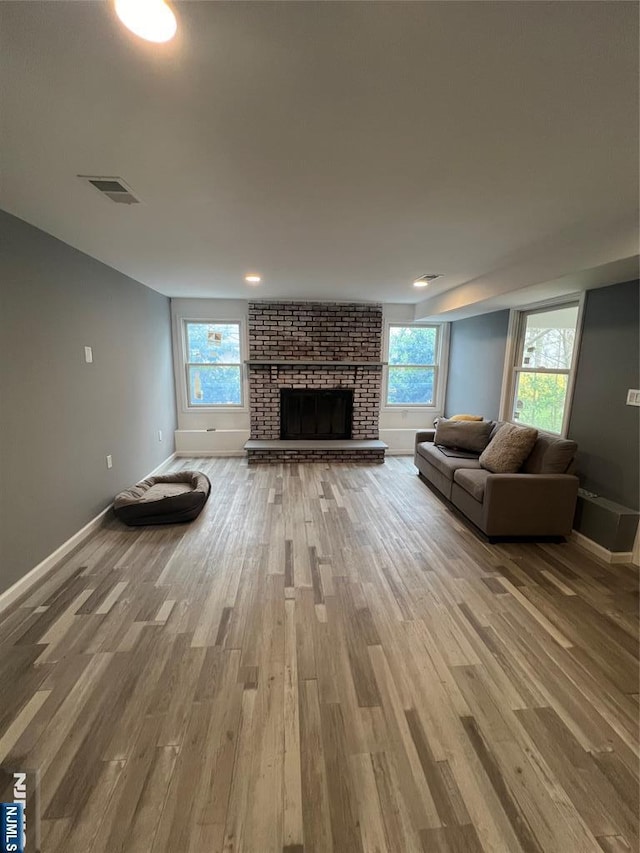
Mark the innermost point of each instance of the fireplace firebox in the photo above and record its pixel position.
(315, 414)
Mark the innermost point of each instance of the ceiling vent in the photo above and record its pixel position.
(113, 188)
(429, 277)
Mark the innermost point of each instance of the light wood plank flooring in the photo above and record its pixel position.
(327, 659)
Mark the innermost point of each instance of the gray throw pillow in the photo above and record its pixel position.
(508, 449)
(465, 435)
(551, 455)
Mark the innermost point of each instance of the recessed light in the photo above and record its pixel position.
(252, 279)
(424, 280)
(152, 20)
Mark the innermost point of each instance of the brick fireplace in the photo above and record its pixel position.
(314, 345)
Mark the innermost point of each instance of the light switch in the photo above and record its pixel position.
(633, 397)
(88, 355)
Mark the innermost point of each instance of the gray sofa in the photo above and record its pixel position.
(539, 500)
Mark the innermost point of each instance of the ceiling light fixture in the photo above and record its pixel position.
(152, 20)
(252, 279)
(424, 280)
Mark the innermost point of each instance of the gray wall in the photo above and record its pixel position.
(60, 417)
(605, 428)
(476, 362)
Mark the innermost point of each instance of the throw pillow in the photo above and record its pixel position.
(466, 435)
(466, 418)
(508, 449)
(551, 455)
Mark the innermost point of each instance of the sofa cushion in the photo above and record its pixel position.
(472, 481)
(466, 418)
(445, 464)
(508, 449)
(467, 435)
(550, 455)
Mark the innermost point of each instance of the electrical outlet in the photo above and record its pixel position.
(633, 397)
(88, 355)
(159, 435)
(109, 461)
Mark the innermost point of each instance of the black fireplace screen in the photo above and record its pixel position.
(315, 414)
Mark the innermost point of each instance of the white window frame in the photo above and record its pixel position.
(186, 364)
(440, 367)
(513, 358)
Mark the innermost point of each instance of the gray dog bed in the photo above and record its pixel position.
(165, 499)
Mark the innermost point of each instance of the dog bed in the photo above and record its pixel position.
(164, 499)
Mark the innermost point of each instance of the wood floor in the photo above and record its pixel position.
(327, 659)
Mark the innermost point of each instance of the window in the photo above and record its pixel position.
(213, 364)
(542, 372)
(412, 375)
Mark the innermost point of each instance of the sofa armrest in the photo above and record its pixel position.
(425, 435)
(530, 503)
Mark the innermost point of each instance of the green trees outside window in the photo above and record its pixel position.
(544, 363)
(213, 364)
(412, 370)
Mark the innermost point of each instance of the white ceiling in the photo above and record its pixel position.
(340, 149)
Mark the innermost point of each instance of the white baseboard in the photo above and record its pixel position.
(599, 550)
(196, 454)
(23, 584)
(161, 465)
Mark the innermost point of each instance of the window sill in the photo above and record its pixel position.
(203, 410)
(414, 407)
